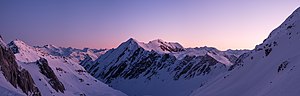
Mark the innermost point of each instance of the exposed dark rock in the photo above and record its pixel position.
(149, 64)
(289, 27)
(46, 70)
(240, 60)
(195, 69)
(131, 61)
(146, 65)
(17, 78)
(282, 66)
(268, 51)
(13, 47)
(170, 49)
(166, 47)
(86, 62)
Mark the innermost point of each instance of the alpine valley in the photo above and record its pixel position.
(155, 68)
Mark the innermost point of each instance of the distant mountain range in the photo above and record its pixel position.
(152, 63)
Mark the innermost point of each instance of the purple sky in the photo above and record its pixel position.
(235, 24)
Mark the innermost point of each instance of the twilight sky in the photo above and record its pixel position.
(235, 24)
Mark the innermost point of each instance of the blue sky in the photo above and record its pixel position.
(235, 24)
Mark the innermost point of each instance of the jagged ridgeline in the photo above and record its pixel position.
(159, 68)
(48, 71)
(16, 76)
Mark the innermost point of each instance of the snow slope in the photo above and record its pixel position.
(271, 69)
(75, 79)
(73, 53)
(8, 88)
(149, 69)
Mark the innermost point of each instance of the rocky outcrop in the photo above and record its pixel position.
(143, 63)
(17, 77)
(46, 70)
(86, 62)
(13, 47)
(189, 68)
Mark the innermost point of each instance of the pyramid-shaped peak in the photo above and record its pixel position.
(131, 40)
(17, 42)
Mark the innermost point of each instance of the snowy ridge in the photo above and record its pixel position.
(271, 69)
(227, 57)
(75, 79)
(24, 52)
(177, 50)
(35, 52)
(158, 45)
(14, 80)
(146, 67)
(221, 59)
(7, 88)
(75, 54)
(287, 24)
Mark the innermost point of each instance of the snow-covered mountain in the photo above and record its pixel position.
(156, 68)
(15, 81)
(54, 74)
(271, 69)
(159, 68)
(72, 53)
(160, 46)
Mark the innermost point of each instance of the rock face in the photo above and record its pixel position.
(58, 75)
(46, 70)
(17, 77)
(86, 63)
(143, 66)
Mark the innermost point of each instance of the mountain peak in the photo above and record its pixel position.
(17, 45)
(291, 23)
(17, 42)
(157, 45)
(131, 40)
